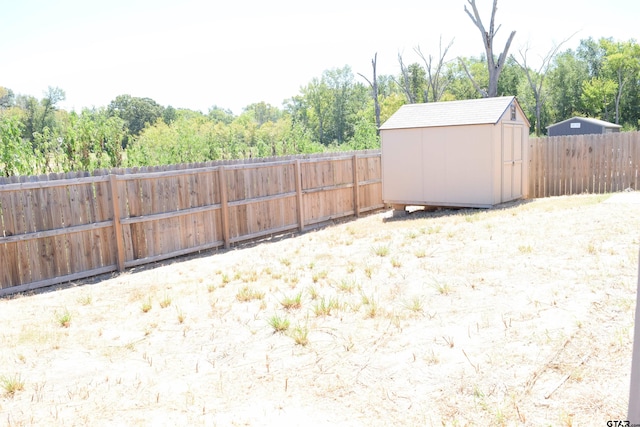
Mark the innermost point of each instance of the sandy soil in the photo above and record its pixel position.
(521, 315)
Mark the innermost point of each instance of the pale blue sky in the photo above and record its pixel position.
(197, 53)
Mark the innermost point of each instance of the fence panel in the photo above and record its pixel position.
(63, 227)
(597, 163)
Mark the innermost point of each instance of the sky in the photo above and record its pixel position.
(197, 54)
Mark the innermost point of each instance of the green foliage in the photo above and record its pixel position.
(7, 98)
(185, 140)
(598, 97)
(16, 156)
(564, 85)
(332, 112)
(136, 112)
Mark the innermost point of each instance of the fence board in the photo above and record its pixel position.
(62, 227)
(584, 163)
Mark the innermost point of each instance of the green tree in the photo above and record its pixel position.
(92, 140)
(220, 115)
(136, 112)
(621, 64)
(40, 114)
(263, 112)
(565, 81)
(593, 55)
(463, 87)
(413, 81)
(185, 140)
(598, 97)
(16, 155)
(7, 98)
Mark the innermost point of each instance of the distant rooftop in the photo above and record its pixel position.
(597, 122)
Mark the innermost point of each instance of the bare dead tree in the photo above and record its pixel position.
(436, 81)
(535, 78)
(406, 86)
(374, 91)
(494, 66)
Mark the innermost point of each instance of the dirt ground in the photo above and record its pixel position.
(519, 315)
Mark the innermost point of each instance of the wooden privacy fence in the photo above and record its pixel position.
(59, 228)
(601, 163)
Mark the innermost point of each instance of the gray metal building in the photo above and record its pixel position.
(581, 126)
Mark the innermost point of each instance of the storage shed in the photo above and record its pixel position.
(470, 153)
(581, 126)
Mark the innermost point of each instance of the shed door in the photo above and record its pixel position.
(511, 162)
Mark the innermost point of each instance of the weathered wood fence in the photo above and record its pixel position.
(563, 165)
(64, 227)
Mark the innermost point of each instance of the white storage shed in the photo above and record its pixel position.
(470, 153)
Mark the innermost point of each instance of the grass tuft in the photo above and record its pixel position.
(279, 324)
(324, 307)
(248, 294)
(11, 385)
(64, 318)
(165, 302)
(381, 250)
(300, 335)
(146, 305)
(291, 303)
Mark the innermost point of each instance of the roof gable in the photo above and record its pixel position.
(450, 113)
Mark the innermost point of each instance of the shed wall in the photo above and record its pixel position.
(402, 170)
(439, 166)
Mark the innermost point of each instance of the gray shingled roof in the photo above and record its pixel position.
(597, 122)
(449, 113)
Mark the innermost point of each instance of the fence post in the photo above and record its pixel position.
(299, 204)
(222, 180)
(633, 414)
(356, 188)
(117, 226)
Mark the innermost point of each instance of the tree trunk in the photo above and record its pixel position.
(494, 68)
(374, 91)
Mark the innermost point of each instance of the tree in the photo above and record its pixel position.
(593, 54)
(136, 112)
(328, 106)
(463, 86)
(263, 112)
(318, 100)
(493, 65)
(565, 80)
(348, 98)
(598, 97)
(535, 78)
(374, 91)
(16, 156)
(40, 114)
(220, 115)
(437, 79)
(622, 63)
(7, 98)
(413, 81)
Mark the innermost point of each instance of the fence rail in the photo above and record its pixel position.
(63, 227)
(563, 165)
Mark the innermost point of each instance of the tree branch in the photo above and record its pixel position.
(475, 84)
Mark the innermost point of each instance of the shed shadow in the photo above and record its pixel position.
(421, 212)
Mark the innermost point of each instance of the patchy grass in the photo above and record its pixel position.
(438, 318)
